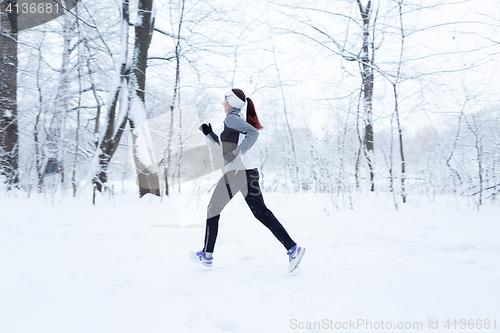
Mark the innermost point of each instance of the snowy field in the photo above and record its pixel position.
(122, 266)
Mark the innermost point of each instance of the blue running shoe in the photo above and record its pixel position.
(294, 257)
(200, 258)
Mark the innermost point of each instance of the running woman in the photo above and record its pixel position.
(240, 175)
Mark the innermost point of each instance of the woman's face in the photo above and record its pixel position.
(227, 107)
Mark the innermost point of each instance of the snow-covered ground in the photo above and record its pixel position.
(122, 266)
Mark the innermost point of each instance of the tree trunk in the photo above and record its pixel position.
(367, 81)
(401, 150)
(77, 136)
(396, 105)
(8, 95)
(40, 156)
(147, 170)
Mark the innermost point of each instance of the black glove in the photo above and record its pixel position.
(206, 129)
(231, 156)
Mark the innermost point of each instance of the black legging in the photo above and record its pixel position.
(246, 181)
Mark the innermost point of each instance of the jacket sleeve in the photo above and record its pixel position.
(213, 137)
(251, 134)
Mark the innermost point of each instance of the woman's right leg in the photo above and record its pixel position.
(256, 203)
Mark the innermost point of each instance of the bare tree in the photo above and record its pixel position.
(38, 127)
(366, 62)
(56, 140)
(175, 99)
(363, 53)
(146, 167)
(395, 86)
(78, 108)
(8, 94)
(130, 96)
(115, 123)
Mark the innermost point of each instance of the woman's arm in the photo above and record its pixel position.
(209, 133)
(251, 134)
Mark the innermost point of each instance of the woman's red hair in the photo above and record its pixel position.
(252, 118)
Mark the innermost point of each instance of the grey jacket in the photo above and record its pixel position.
(235, 129)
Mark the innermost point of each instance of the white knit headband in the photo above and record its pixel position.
(234, 100)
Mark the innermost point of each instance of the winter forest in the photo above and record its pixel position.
(380, 153)
(386, 96)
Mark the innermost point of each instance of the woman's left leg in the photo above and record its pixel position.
(229, 184)
(256, 203)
